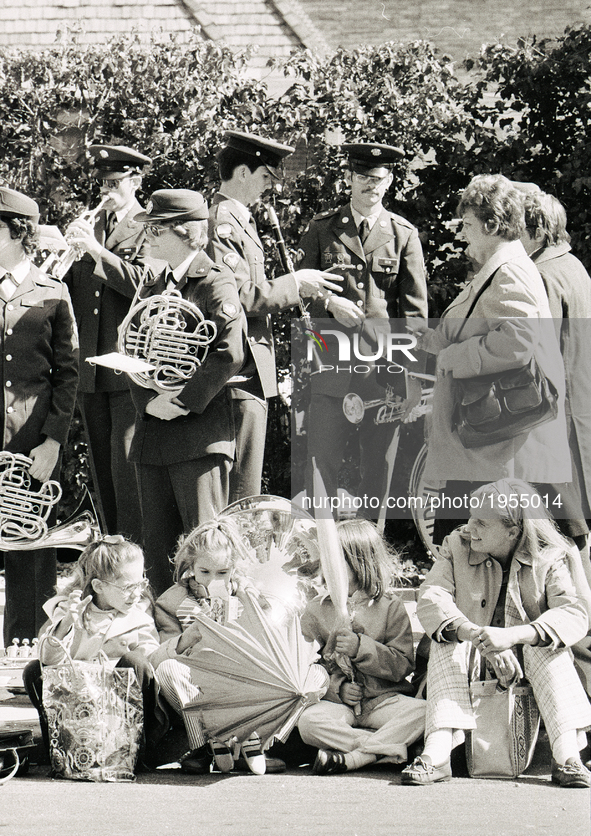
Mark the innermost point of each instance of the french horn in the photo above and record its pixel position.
(24, 511)
(169, 334)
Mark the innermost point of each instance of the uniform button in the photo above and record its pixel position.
(9, 356)
(360, 266)
(10, 409)
(345, 220)
(483, 602)
(359, 284)
(97, 293)
(488, 564)
(8, 384)
(95, 311)
(360, 303)
(10, 307)
(9, 331)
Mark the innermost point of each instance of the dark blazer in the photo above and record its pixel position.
(235, 243)
(384, 277)
(209, 427)
(101, 295)
(39, 363)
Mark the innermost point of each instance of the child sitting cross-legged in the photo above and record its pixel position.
(371, 717)
(205, 559)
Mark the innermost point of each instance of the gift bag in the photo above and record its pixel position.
(95, 718)
(507, 725)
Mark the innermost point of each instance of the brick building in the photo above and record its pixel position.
(458, 27)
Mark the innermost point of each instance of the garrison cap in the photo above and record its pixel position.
(16, 205)
(117, 161)
(174, 205)
(267, 151)
(365, 156)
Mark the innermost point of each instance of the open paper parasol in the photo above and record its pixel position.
(254, 675)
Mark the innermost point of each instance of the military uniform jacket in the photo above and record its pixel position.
(235, 243)
(101, 295)
(384, 277)
(39, 360)
(209, 427)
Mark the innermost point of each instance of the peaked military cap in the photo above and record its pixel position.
(174, 205)
(116, 161)
(364, 156)
(17, 205)
(269, 152)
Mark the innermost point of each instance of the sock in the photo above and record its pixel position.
(356, 759)
(566, 746)
(438, 746)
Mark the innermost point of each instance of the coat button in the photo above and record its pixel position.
(9, 332)
(483, 602)
(10, 409)
(345, 220)
(97, 293)
(488, 564)
(8, 384)
(10, 307)
(360, 266)
(359, 284)
(9, 356)
(360, 303)
(95, 311)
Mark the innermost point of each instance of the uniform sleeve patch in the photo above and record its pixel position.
(229, 309)
(224, 230)
(232, 261)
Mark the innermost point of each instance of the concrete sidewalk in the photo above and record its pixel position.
(371, 802)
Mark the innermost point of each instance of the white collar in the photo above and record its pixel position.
(19, 272)
(181, 269)
(371, 219)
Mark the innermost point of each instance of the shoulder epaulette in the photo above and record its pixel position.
(400, 220)
(327, 213)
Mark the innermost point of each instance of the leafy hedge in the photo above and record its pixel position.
(523, 111)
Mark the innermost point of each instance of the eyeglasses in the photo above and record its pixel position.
(368, 179)
(113, 184)
(154, 230)
(132, 588)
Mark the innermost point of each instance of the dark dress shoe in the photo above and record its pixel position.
(329, 763)
(197, 762)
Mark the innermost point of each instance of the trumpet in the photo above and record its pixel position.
(24, 512)
(169, 333)
(58, 263)
(390, 408)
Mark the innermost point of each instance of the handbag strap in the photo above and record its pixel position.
(474, 302)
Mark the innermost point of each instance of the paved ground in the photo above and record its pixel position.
(367, 803)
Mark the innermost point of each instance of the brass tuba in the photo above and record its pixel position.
(58, 263)
(24, 512)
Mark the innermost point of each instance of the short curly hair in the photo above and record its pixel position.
(25, 229)
(496, 203)
(546, 213)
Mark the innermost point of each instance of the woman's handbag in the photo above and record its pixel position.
(507, 725)
(95, 719)
(497, 407)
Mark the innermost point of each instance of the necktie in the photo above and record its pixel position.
(8, 286)
(364, 230)
(110, 223)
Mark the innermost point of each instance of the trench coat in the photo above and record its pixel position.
(465, 584)
(569, 293)
(510, 323)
